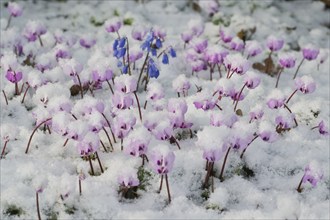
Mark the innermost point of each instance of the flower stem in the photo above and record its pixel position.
(168, 189)
(104, 148)
(107, 134)
(40, 41)
(278, 77)
(294, 92)
(4, 94)
(110, 87)
(80, 190)
(16, 88)
(301, 62)
(219, 70)
(299, 189)
(3, 150)
(138, 103)
(145, 105)
(176, 142)
(66, 141)
(239, 95)
(91, 165)
(161, 183)
(25, 94)
(38, 209)
(99, 161)
(113, 135)
(35, 129)
(142, 69)
(121, 144)
(8, 23)
(128, 62)
(295, 120)
(208, 173)
(223, 165)
(248, 145)
(81, 88)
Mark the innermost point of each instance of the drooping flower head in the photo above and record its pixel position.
(226, 35)
(89, 144)
(138, 32)
(33, 30)
(237, 63)
(274, 43)
(181, 84)
(305, 84)
(236, 44)
(200, 45)
(287, 60)
(162, 159)
(15, 9)
(13, 76)
(155, 91)
(276, 99)
(128, 178)
(87, 41)
(253, 48)
(125, 84)
(313, 173)
(113, 25)
(310, 52)
(267, 132)
(137, 142)
(196, 26)
(252, 80)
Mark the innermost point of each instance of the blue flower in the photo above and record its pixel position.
(119, 64)
(115, 44)
(122, 42)
(165, 59)
(159, 43)
(153, 71)
(153, 51)
(147, 43)
(125, 69)
(120, 53)
(172, 52)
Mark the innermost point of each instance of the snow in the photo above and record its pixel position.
(261, 185)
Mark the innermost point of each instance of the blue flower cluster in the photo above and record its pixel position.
(119, 51)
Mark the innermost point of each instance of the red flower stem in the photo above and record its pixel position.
(231, 74)
(176, 142)
(161, 183)
(81, 88)
(48, 129)
(299, 189)
(315, 127)
(91, 165)
(4, 94)
(191, 133)
(35, 129)
(211, 72)
(138, 103)
(8, 23)
(22, 87)
(178, 95)
(145, 104)
(223, 165)
(107, 134)
(80, 190)
(301, 62)
(295, 120)
(228, 73)
(208, 173)
(108, 123)
(141, 72)
(278, 76)
(248, 145)
(239, 95)
(40, 41)
(110, 87)
(66, 141)
(38, 209)
(16, 88)
(25, 94)
(218, 107)
(294, 92)
(3, 150)
(121, 144)
(168, 189)
(219, 70)
(105, 149)
(99, 161)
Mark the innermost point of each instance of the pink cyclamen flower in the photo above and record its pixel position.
(252, 80)
(211, 7)
(13, 76)
(323, 129)
(310, 52)
(198, 65)
(200, 45)
(125, 83)
(162, 159)
(287, 60)
(226, 35)
(15, 9)
(196, 26)
(236, 44)
(253, 48)
(274, 43)
(89, 144)
(113, 25)
(204, 101)
(159, 32)
(128, 179)
(163, 130)
(155, 91)
(181, 84)
(236, 63)
(123, 123)
(71, 67)
(138, 32)
(256, 113)
(220, 118)
(285, 120)
(87, 41)
(135, 54)
(215, 55)
(225, 87)
(212, 154)
(313, 173)
(267, 132)
(33, 30)
(276, 99)
(187, 36)
(137, 147)
(305, 84)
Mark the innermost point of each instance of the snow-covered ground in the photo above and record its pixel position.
(262, 185)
